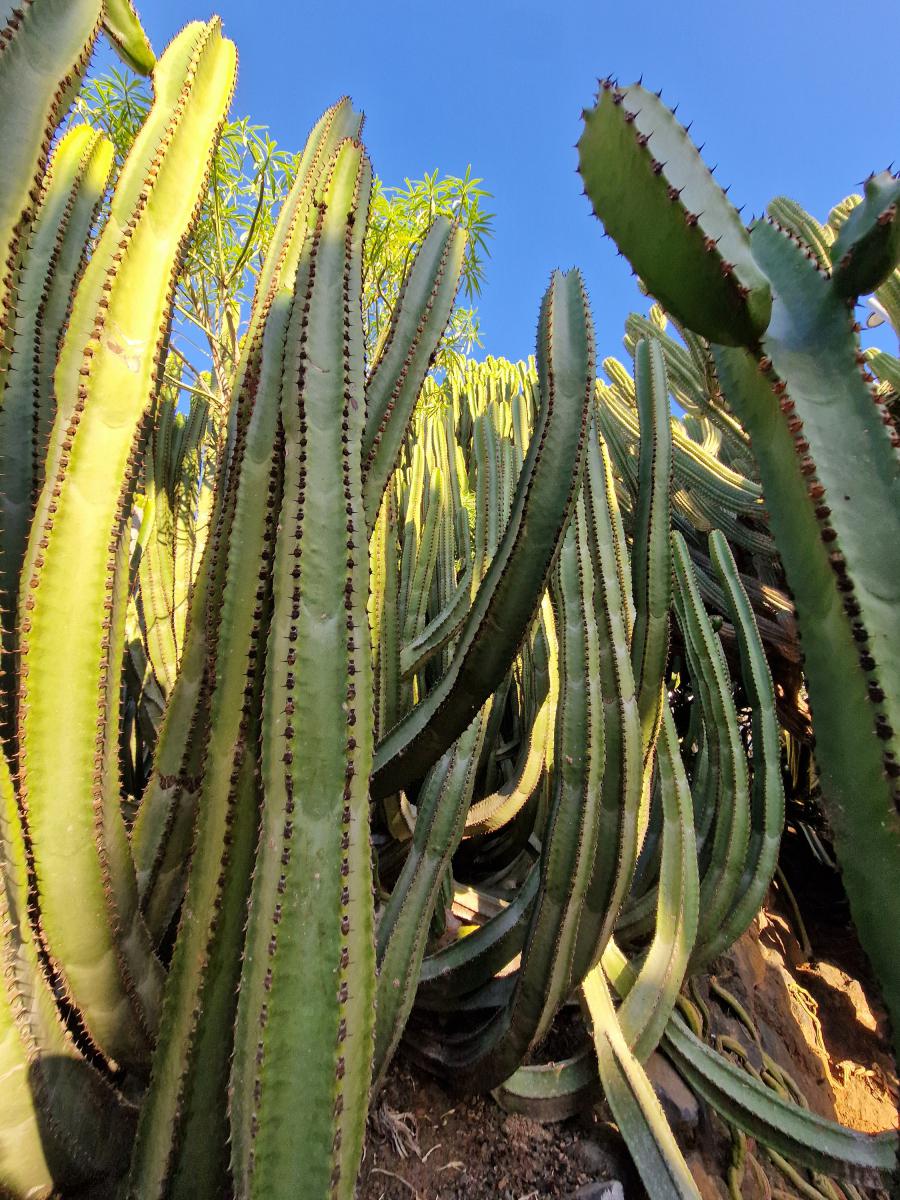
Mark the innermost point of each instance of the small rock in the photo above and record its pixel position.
(604, 1189)
(678, 1102)
(593, 1158)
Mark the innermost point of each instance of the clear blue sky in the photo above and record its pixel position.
(797, 97)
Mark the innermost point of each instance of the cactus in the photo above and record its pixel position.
(105, 962)
(816, 432)
(454, 595)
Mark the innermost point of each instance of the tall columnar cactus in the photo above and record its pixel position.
(78, 555)
(306, 1012)
(825, 446)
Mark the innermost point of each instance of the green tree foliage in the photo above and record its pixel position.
(250, 179)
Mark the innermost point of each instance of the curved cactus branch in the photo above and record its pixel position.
(510, 591)
(123, 28)
(867, 248)
(420, 317)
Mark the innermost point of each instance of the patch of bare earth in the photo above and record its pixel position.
(820, 1021)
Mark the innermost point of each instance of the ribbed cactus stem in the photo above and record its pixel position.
(303, 1044)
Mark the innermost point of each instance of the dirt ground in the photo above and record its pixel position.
(819, 1019)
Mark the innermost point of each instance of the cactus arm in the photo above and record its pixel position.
(470, 962)
(440, 630)
(856, 789)
(303, 1042)
(156, 569)
(123, 28)
(404, 924)
(576, 828)
(425, 560)
(336, 123)
(867, 247)
(656, 198)
(510, 591)
(498, 808)
(66, 740)
(386, 656)
(573, 830)
(645, 1011)
(418, 322)
(689, 372)
(552, 1091)
(718, 889)
(620, 789)
(651, 560)
(885, 367)
(841, 439)
(45, 49)
(767, 800)
(790, 215)
(195, 990)
(72, 190)
(801, 1135)
(633, 1101)
(228, 760)
(693, 465)
(443, 801)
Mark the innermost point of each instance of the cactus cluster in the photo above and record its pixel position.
(824, 442)
(280, 691)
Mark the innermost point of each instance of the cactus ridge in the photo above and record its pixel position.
(646, 1009)
(620, 787)
(718, 887)
(71, 193)
(442, 806)
(767, 796)
(498, 808)
(123, 28)
(235, 649)
(328, 857)
(440, 630)
(164, 825)
(471, 962)
(651, 562)
(54, 1122)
